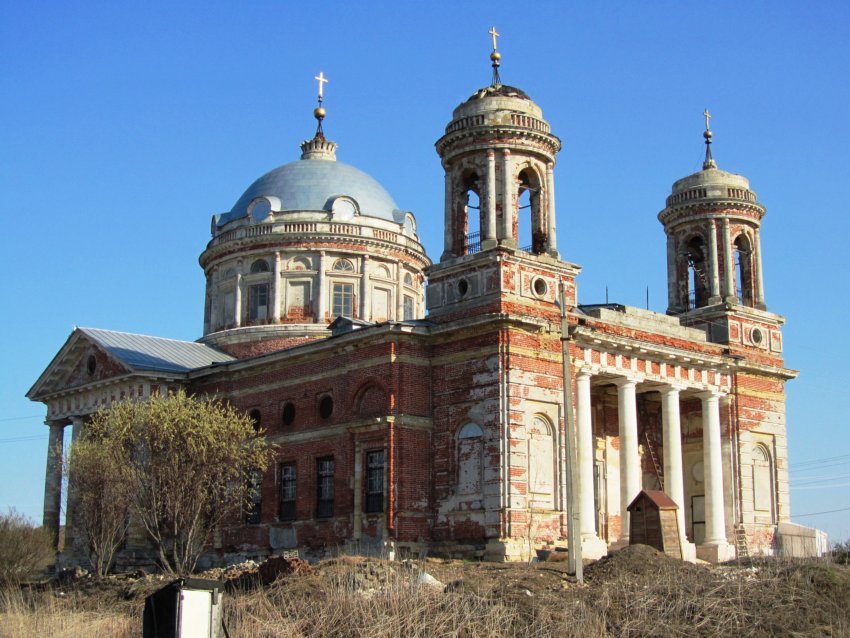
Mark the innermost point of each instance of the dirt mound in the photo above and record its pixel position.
(635, 560)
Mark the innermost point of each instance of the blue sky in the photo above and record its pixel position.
(125, 126)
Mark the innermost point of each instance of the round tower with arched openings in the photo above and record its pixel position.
(500, 245)
(712, 221)
(498, 154)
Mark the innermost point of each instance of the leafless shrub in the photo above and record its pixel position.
(24, 548)
(348, 597)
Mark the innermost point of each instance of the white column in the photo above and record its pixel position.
(673, 301)
(728, 261)
(276, 296)
(714, 282)
(712, 460)
(759, 300)
(364, 289)
(399, 298)
(630, 472)
(77, 423)
(585, 455)
(322, 292)
(448, 220)
(490, 231)
(674, 482)
(53, 481)
(552, 240)
(507, 199)
(237, 304)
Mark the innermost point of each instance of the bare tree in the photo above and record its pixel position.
(102, 498)
(184, 462)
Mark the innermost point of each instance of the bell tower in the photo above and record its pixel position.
(498, 154)
(713, 221)
(714, 264)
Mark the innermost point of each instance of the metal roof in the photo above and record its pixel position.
(142, 352)
(312, 184)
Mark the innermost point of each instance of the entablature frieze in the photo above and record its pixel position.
(87, 400)
(656, 368)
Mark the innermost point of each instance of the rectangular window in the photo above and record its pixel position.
(325, 488)
(375, 481)
(343, 300)
(253, 505)
(287, 492)
(408, 308)
(258, 297)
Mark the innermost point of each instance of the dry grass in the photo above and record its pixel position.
(635, 593)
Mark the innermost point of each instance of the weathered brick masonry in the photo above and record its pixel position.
(402, 431)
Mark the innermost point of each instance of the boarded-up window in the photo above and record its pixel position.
(298, 299)
(762, 480)
(541, 464)
(380, 304)
(373, 402)
(227, 309)
(470, 461)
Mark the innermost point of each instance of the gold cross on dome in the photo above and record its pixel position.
(707, 118)
(322, 81)
(495, 35)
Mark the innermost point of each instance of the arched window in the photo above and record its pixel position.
(471, 222)
(343, 265)
(743, 270)
(470, 460)
(260, 265)
(541, 464)
(408, 279)
(260, 209)
(697, 277)
(763, 486)
(531, 232)
(256, 417)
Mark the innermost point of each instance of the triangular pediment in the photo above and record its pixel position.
(79, 362)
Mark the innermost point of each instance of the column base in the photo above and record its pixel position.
(689, 551)
(487, 244)
(716, 552)
(593, 548)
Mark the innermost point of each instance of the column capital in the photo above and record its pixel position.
(710, 394)
(491, 153)
(584, 373)
(625, 382)
(669, 388)
(506, 152)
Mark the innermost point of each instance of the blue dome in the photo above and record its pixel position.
(313, 184)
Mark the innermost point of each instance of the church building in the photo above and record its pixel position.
(413, 417)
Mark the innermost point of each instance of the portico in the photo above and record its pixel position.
(632, 438)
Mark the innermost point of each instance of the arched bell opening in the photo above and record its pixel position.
(744, 282)
(694, 264)
(530, 227)
(469, 221)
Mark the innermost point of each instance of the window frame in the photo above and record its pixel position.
(287, 491)
(253, 305)
(342, 295)
(374, 481)
(325, 471)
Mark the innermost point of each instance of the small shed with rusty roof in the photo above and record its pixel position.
(654, 522)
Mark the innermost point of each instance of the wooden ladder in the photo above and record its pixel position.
(741, 546)
(650, 448)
